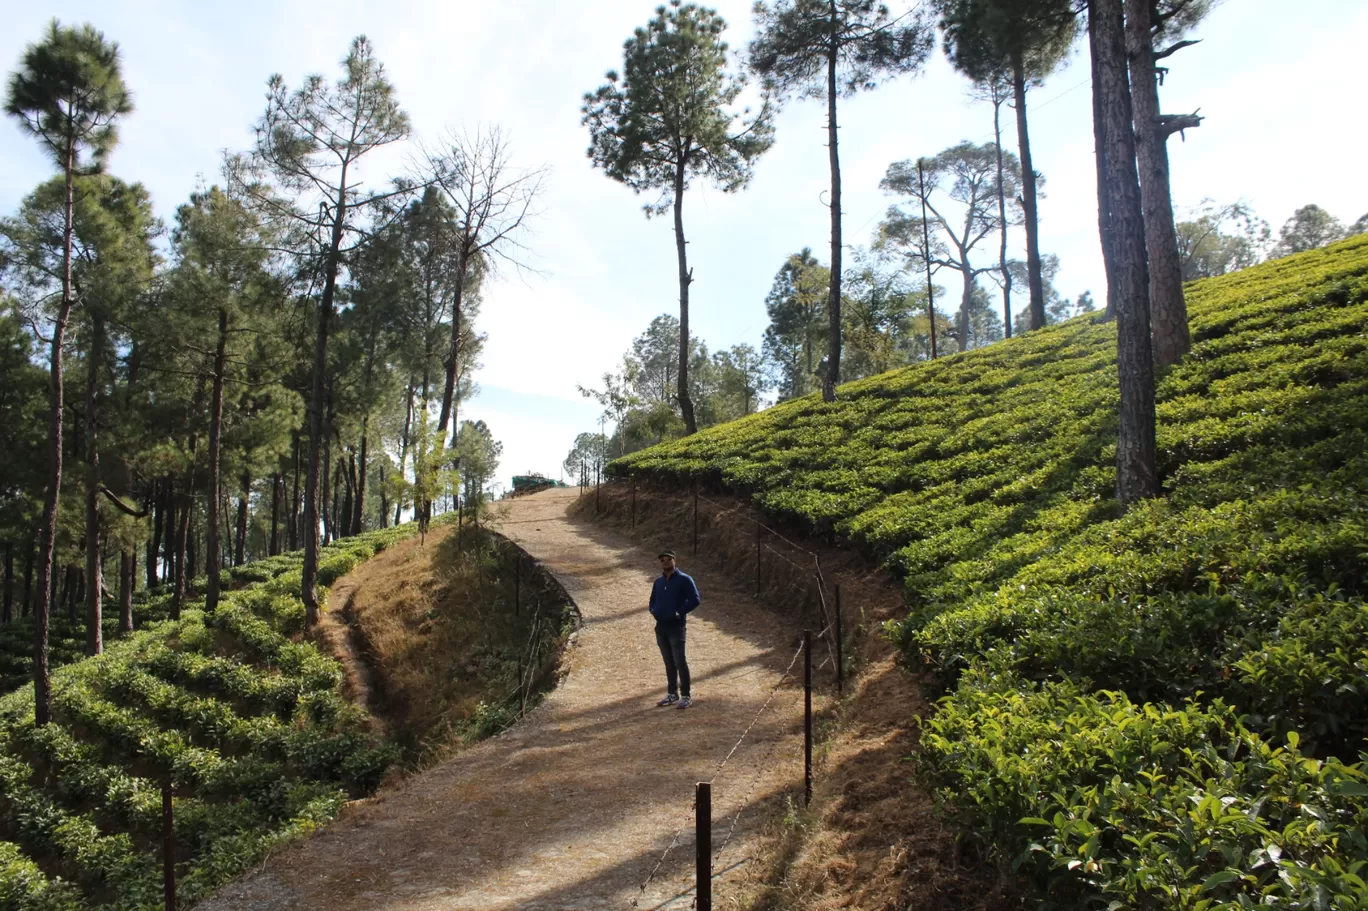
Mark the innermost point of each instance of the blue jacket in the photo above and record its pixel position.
(673, 598)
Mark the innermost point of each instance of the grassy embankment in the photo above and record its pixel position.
(454, 632)
(244, 718)
(1160, 707)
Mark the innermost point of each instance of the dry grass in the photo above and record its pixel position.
(873, 838)
(437, 629)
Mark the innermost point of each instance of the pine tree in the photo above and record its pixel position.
(68, 92)
(1123, 251)
(1019, 42)
(310, 141)
(831, 49)
(668, 120)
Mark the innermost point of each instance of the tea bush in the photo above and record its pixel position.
(1231, 610)
(1148, 806)
(245, 720)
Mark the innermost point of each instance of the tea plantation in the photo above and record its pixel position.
(246, 722)
(1162, 707)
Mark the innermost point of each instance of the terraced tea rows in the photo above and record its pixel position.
(245, 722)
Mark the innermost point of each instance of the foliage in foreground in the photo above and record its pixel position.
(245, 721)
(1120, 683)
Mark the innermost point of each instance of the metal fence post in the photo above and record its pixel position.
(517, 582)
(807, 717)
(168, 847)
(634, 500)
(703, 842)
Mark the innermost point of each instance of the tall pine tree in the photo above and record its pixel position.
(667, 120)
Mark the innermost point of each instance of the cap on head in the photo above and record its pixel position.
(666, 553)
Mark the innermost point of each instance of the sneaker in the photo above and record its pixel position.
(670, 699)
(684, 703)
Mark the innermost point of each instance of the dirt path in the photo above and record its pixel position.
(574, 806)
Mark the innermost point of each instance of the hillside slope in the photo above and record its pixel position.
(242, 718)
(1118, 681)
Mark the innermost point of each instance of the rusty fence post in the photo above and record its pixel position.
(807, 717)
(634, 499)
(168, 847)
(703, 849)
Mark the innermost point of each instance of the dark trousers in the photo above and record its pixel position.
(671, 642)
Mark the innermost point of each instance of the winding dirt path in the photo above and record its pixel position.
(574, 806)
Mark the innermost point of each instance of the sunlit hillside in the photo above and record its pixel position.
(1142, 706)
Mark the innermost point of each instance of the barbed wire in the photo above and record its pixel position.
(745, 801)
(693, 806)
(827, 624)
(788, 671)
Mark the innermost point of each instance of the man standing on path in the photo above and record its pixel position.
(673, 595)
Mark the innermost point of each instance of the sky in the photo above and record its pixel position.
(1271, 78)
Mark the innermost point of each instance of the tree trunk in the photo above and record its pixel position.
(273, 542)
(56, 590)
(327, 490)
(447, 413)
(211, 594)
(240, 547)
(7, 614)
(93, 569)
(966, 302)
(150, 558)
(1168, 309)
(1028, 198)
(1002, 215)
(168, 543)
(75, 592)
(686, 407)
(359, 518)
(47, 533)
(339, 474)
(29, 559)
(404, 444)
(344, 511)
(1105, 229)
(294, 500)
(926, 249)
(316, 442)
(128, 567)
(1136, 473)
(181, 553)
(834, 292)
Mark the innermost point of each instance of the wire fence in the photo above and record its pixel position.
(783, 572)
(526, 595)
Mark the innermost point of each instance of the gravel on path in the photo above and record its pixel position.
(574, 806)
